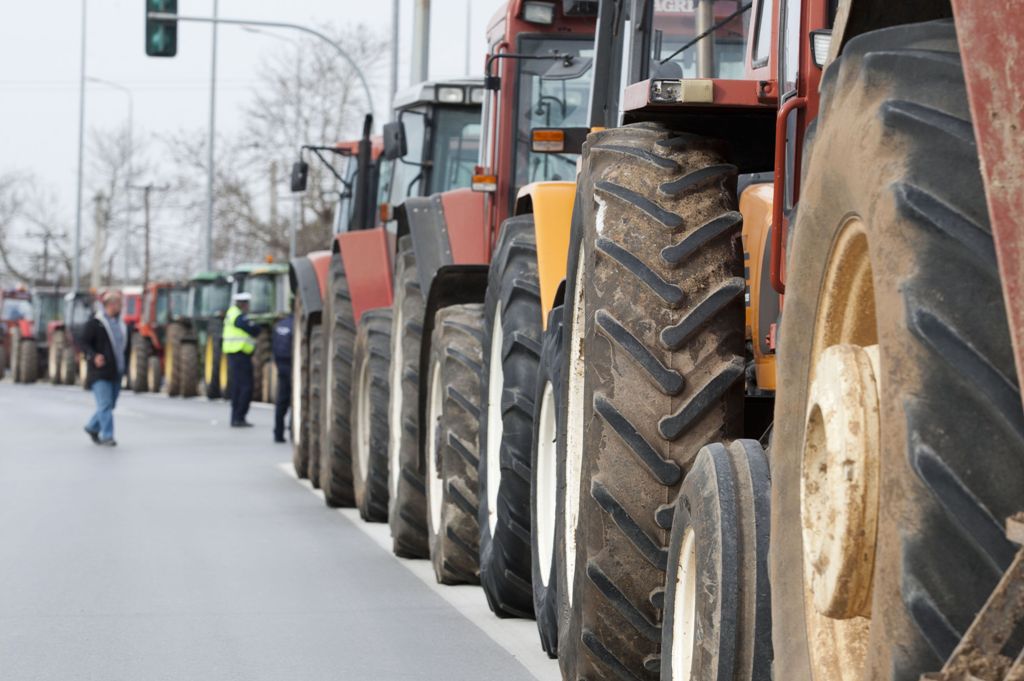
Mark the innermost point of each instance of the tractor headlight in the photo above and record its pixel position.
(539, 12)
(447, 94)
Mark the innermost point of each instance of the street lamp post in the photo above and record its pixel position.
(76, 264)
(130, 171)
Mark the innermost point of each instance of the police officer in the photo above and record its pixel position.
(282, 347)
(238, 344)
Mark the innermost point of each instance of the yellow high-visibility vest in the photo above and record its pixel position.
(235, 339)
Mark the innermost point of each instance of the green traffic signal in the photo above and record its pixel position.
(161, 34)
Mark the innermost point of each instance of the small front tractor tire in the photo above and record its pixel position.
(371, 363)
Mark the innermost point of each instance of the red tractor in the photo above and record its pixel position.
(155, 335)
(27, 338)
(15, 311)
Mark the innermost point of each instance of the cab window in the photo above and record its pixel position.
(676, 23)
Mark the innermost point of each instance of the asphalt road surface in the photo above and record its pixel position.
(191, 552)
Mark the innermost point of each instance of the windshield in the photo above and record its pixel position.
(212, 299)
(677, 22)
(81, 311)
(261, 286)
(14, 310)
(348, 167)
(179, 302)
(546, 102)
(163, 306)
(455, 148)
(407, 172)
(47, 309)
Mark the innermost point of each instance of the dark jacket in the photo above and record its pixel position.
(96, 341)
(282, 344)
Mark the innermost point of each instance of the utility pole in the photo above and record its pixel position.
(469, 32)
(394, 54)
(47, 237)
(146, 189)
(208, 252)
(101, 218)
(76, 265)
(420, 41)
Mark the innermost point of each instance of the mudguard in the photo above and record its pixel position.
(446, 229)
(551, 204)
(762, 304)
(306, 287)
(367, 257)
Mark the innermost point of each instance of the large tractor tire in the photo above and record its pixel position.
(261, 357)
(212, 386)
(452, 452)
(300, 394)
(512, 332)
(718, 617)
(175, 332)
(26, 367)
(336, 435)
(188, 368)
(53, 353)
(316, 387)
(371, 365)
(545, 480)
(407, 511)
(69, 366)
(898, 449)
(154, 373)
(138, 364)
(266, 382)
(3, 363)
(654, 371)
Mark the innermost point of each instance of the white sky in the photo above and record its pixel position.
(39, 65)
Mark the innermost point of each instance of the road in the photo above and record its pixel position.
(191, 552)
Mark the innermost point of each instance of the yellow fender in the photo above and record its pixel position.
(762, 300)
(551, 204)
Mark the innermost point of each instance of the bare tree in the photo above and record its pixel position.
(32, 231)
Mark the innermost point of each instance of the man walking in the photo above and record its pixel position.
(238, 344)
(104, 341)
(282, 347)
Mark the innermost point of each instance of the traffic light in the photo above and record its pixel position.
(161, 34)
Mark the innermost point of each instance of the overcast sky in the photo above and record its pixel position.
(39, 65)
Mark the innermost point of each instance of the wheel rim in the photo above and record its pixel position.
(169, 371)
(208, 363)
(840, 458)
(574, 427)
(547, 489)
(298, 381)
(223, 370)
(395, 405)
(436, 484)
(684, 609)
(495, 426)
(362, 423)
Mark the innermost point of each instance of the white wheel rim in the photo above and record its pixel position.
(296, 384)
(495, 426)
(574, 427)
(362, 423)
(395, 403)
(684, 609)
(547, 489)
(435, 487)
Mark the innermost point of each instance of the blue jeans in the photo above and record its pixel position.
(102, 421)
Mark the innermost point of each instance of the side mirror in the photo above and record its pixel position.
(300, 174)
(394, 140)
(569, 68)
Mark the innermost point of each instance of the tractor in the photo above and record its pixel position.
(28, 338)
(788, 303)
(466, 282)
(15, 312)
(156, 337)
(196, 359)
(64, 356)
(271, 300)
(430, 146)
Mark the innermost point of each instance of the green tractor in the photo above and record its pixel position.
(271, 300)
(196, 359)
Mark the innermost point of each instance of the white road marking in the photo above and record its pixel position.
(518, 637)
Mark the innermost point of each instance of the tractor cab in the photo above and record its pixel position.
(433, 143)
(15, 311)
(270, 288)
(209, 296)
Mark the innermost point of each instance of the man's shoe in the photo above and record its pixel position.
(110, 442)
(279, 439)
(94, 434)
(241, 424)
